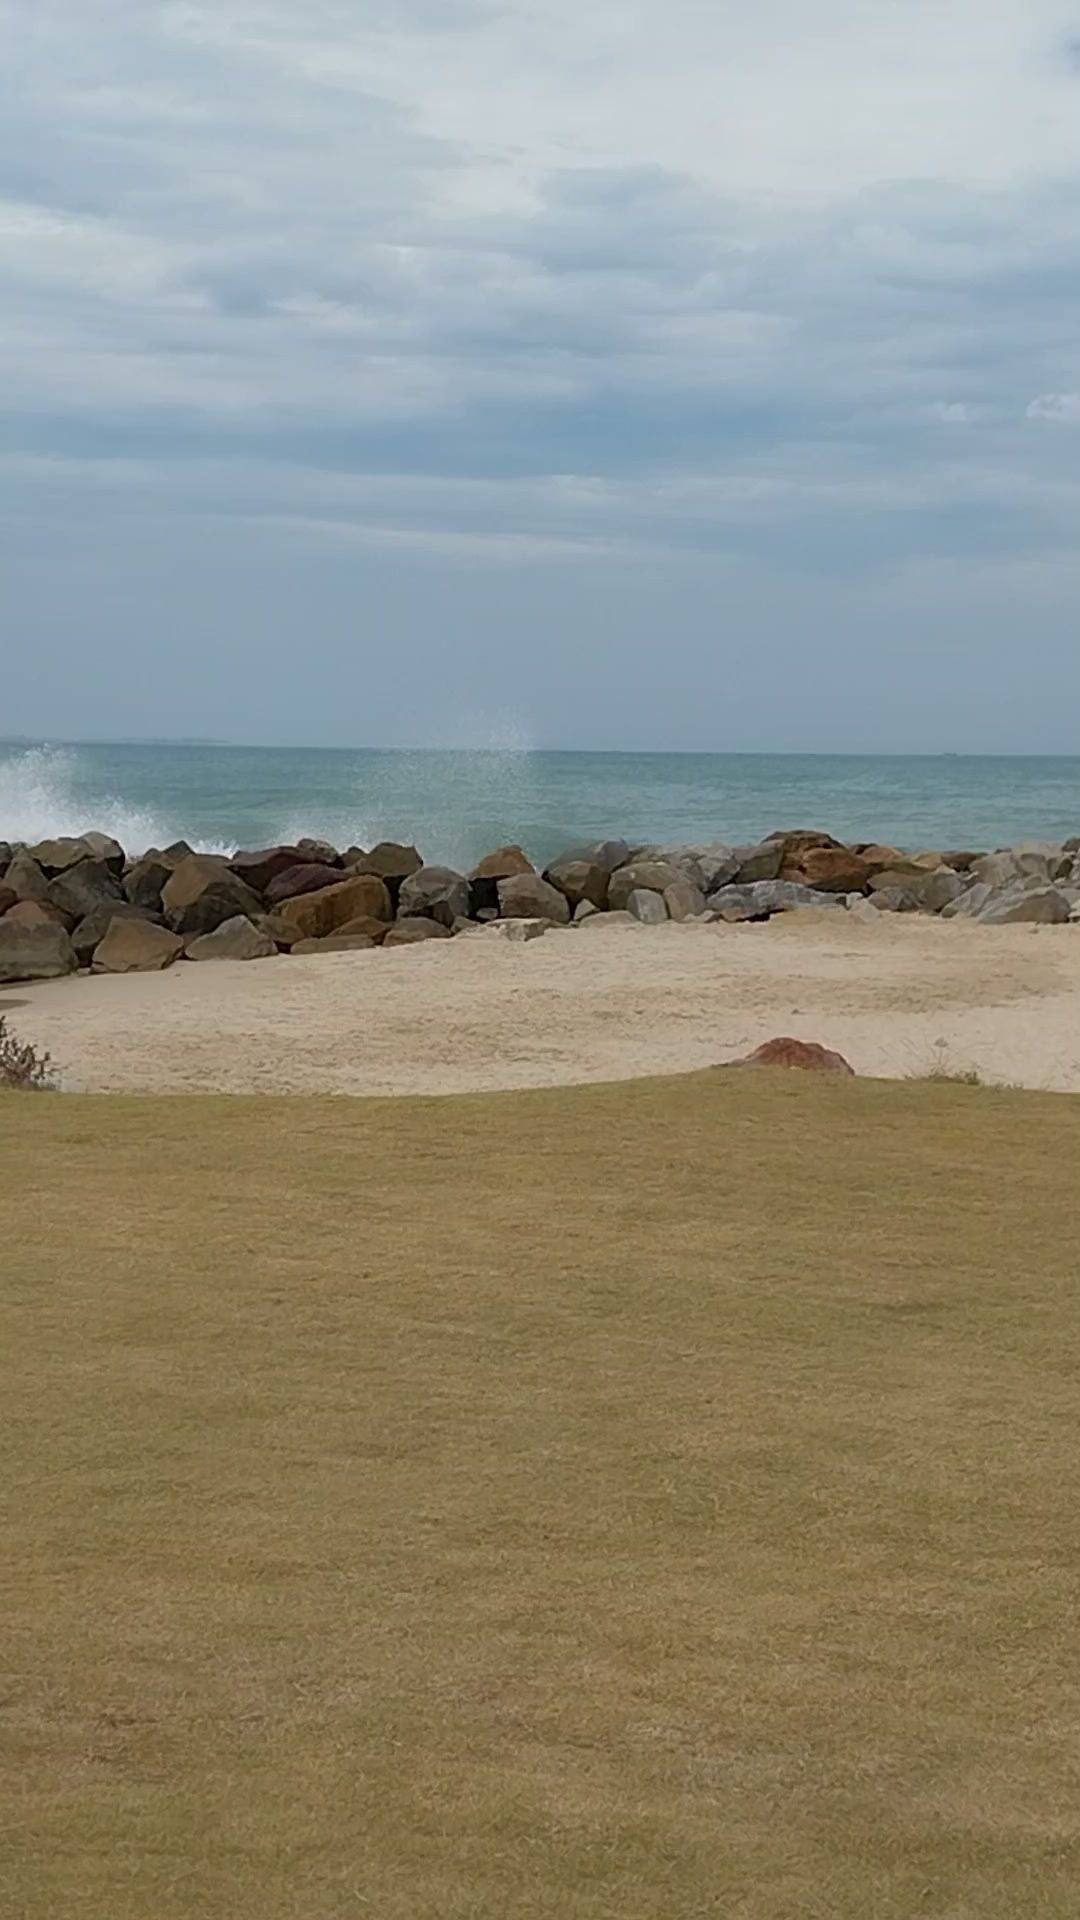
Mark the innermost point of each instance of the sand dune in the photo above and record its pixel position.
(604, 1004)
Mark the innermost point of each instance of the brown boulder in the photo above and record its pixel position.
(410, 932)
(762, 862)
(55, 856)
(145, 882)
(136, 946)
(389, 860)
(42, 952)
(505, 864)
(434, 893)
(581, 880)
(827, 870)
(81, 888)
(214, 907)
(314, 915)
(800, 840)
(37, 913)
(191, 878)
(364, 926)
(236, 939)
(8, 898)
(882, 859)
(337, 943)
(806, 1055)
(310, 877)
(25, 879)
(524, 896)
(641, 876)
(91, 930)
(258, 869)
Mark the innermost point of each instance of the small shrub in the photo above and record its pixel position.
(22, 1066)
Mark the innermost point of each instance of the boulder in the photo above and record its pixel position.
(1033, 865)
(83, 887)
(882, 859)
(608, 854)
(258, 869)
(37, 913)
(92, 928)
(236, 939)
(24, 878)
(103, 847)
(931, 891)
(434, 893)
(319, 852)
(1038, 906)
(55, 856)
(315, 915)
(214, 907)
(192, 877)
(970, 904)
(648, 907)
(136, 946)
(761, 862)
(619, 918)
(798, 840)
(766, 897)
(389, 861)
(42, 952)
(417, 928)
(890, 900)
(8, 898)
(6, 854)
(145, 882)
(364, 925)
(585, 911)
(960, 862)
(580, 881)
(705, 866)
(826, 869)
(313, 876)
(641, 876)
(525, 896)
(281, 932)
(683, 901)
(484, 879)
(337, 943)
(173, 856)
(515, 930)
(805, 1055)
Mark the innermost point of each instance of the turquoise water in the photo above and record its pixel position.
(457, 806)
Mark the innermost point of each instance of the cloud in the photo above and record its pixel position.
(1056, 406)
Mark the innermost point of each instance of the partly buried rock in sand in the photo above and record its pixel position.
(806, 1055)
(684, 901)
(136, 946)
(337, 943)
(516, 930)
(42, 952)
(641, 876)
(91, 930)
(411, 932)
(762, 898)
(524, 896)
(648, 907)
(1034, 906)
(235, 939)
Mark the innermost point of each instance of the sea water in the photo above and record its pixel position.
(458, 806)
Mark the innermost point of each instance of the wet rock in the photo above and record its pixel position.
(236, 939)
(434, 893)
(41, 952)
(525, 896)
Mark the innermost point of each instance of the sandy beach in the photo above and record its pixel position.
(612, 1003)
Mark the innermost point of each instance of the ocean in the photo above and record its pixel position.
(458, 806)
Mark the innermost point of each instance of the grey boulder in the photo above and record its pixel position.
(42, 952)
(434, 893)
(1035, 906)
(525, 896)
(235, 939)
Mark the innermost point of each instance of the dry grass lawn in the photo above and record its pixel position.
(641, 1502)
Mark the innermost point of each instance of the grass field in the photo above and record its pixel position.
(641, 1502)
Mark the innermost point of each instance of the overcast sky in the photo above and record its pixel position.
(673, 373)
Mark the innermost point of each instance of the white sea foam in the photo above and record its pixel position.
(40, 798)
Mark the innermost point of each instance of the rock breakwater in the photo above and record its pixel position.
(81, 903)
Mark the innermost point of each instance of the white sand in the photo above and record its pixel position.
(597, 1004)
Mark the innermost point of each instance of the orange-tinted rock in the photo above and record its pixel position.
(828, 870)
(806, 1055)
(411, 932)
(331, 909)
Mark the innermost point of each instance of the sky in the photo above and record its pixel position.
(677, 375)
